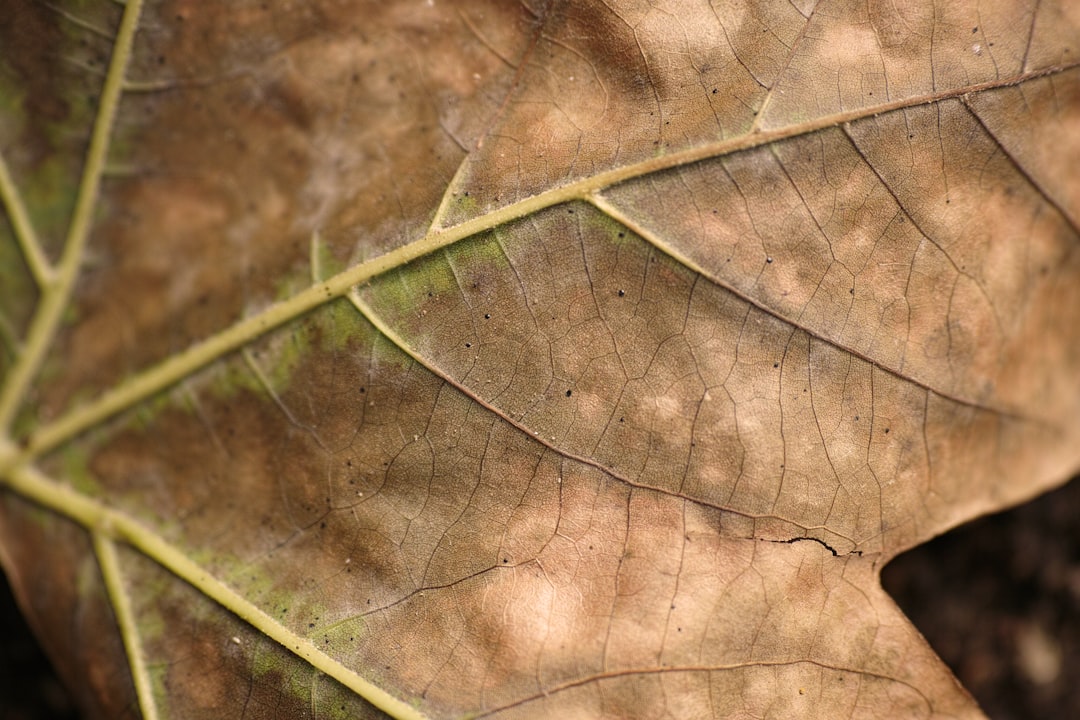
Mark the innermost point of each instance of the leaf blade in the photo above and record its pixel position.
(511, 336)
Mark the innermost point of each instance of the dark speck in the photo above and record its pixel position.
(569, 393)
(487, 316)
(621, 293)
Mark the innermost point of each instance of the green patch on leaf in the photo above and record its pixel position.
(75, 461)
(268, 368)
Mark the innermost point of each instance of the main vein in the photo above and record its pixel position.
(178, 366)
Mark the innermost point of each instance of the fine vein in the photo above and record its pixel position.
(605, 206)
(401, 344)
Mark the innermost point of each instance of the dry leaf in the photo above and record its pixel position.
(430, 358)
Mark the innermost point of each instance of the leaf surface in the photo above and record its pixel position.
(524, 360)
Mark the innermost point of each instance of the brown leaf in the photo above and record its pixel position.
(525, 360)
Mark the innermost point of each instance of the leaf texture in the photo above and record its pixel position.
(515, 360)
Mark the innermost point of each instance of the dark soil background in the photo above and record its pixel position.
(29, 689)
(999, 599)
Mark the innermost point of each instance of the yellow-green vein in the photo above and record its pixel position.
(105, 549)
(33, 253)
(55, 300)
(113, 524)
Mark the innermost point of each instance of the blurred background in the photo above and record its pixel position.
(999, 599)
